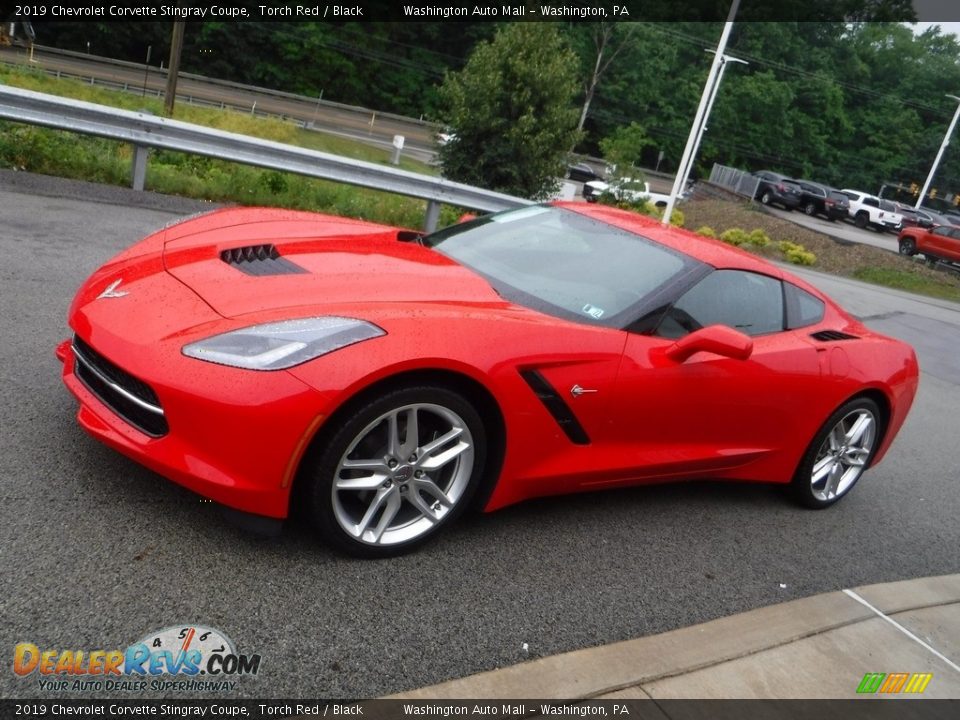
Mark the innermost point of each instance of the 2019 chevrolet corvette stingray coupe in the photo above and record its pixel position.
(382, 382)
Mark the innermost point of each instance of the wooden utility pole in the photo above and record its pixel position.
(176, 46)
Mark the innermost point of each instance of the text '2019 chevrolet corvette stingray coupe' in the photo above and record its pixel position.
(382, 382)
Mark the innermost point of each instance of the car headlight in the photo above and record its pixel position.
(279, 345)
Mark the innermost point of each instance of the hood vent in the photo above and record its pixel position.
(828, 335)
(260, 260)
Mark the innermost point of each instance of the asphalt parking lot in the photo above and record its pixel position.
(839, 229)
(96, 552)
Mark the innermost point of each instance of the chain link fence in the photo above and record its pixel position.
(738, 181)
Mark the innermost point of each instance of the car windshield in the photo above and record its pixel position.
(888, 206)
(839, 196)
(565, 264)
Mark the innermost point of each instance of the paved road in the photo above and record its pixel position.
(95, 551)
(364, 125)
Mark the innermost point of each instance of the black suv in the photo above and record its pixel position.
(778, 189)
(818, 199)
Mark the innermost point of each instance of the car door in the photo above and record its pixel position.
(944, 242)
(951, 246)
(763, 185)
(938, 241)
(714, 413)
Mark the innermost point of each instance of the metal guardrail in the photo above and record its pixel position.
(740, 182)
(218, 82)
(145, 131)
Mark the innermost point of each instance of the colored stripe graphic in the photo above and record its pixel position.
(871, 682)
(918, 682)
(892, 683)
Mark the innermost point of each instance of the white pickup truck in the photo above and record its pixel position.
(870, 211)
(594, 189)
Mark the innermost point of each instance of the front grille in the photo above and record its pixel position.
(828, 335)
(129, 397)
(260, 260)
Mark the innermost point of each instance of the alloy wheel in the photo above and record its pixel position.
(403, 474)
(843, 455)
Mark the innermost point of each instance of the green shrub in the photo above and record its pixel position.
(758, 238)
(706, 231)
(644, 207)
(795, 253)
(676, 217)
(734, 236)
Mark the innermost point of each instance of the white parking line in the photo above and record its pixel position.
(902, 629)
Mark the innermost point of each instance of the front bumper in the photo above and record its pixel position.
(234, 436)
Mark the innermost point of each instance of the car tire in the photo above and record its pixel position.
(839, 454)
(375, 491)
(766, 198)
(861, 220)
(907, 247)
(810, 209)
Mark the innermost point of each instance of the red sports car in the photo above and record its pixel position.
(382, 381)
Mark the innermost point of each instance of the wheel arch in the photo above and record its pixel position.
(474, 391)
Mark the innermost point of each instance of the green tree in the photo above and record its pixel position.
(512, 109)
(624, 147)
(598, 45)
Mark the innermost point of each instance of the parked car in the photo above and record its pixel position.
(865, 210)
(941, 242)
(581, 172)
(624, 189)
(381, 382)
(818, 199)
(934, 218)
(776, 189)
(913, 217)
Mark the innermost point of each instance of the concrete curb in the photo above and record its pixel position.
(619, 670)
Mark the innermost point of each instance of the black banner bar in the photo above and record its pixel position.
(486, 10)
(864, 709)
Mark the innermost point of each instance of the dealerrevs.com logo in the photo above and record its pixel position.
(178, 658)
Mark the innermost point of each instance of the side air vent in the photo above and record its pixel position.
(555, 405)
(260, 260)
(828, 335)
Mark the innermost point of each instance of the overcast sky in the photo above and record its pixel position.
(945, 27)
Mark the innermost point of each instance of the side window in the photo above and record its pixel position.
(745, 301)
(803, 309)
(943, 230)
(872, 202)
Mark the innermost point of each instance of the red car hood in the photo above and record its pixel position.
(243, 261)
